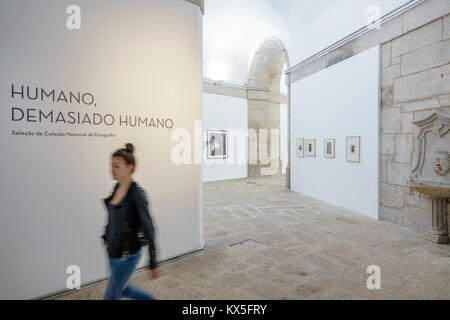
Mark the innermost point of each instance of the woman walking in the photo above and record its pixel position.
(129, 227)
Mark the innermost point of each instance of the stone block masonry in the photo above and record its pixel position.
(415, 80)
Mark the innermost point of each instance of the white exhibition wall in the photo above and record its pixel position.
(335, 103)
(132, 58)
(284, 156)
(231, 114)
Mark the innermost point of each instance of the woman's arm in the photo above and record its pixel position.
(105, 235)
(143, 208)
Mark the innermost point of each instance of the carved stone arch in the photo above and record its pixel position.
(267, 65)
(264, 99)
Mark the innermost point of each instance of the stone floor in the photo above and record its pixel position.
(263, 242)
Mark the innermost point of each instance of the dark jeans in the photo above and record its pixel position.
(121, 271)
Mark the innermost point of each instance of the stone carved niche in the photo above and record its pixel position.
(430, 175)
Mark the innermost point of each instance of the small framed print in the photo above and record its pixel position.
(310, 145)
(329, 148)
(217, 144)
(300, 147)
(353, 149)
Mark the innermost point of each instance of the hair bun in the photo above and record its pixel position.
(129, 147)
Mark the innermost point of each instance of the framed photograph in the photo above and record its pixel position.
(310, 145)
(353, 149)
(329, 148)
(301, 148)
(217, 144)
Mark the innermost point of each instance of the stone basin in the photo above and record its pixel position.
(431, 190)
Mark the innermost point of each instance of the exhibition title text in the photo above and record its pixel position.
(23, 93)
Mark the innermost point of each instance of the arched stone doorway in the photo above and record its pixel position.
(264, 98)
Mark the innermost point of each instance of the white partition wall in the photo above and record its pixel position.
(229, 114)
(337, 102)
(284, 156)
(134, 60)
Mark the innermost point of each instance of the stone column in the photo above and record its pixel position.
(263, 117)
(438, 230)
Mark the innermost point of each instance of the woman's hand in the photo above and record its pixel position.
(153, 273)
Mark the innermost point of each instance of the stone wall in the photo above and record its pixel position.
(415, 80)
(243, 92)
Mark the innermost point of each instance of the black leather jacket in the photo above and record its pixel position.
(130, 224)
